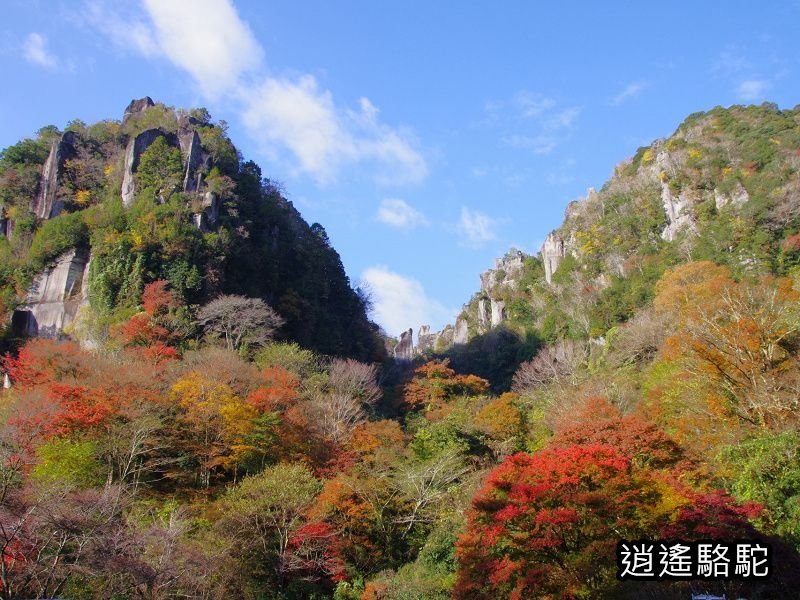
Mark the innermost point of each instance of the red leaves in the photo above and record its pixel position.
(714, 515)
(598, 421)
(313, 553)
(41, 360)
(157, 299)
(557, 502)
(281, 390)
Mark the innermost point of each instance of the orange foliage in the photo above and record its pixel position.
(374, 435)
(738, 337)
(500, 418)
(280, 391)
(435, 382)
(597, 421)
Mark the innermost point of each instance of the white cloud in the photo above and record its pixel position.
(208, 40)
(293, 116)
(398, 213)
(631, 90)
(752, 89)
(539, 144)
(301, 117)
(34, 49)
(401, 302)
(476, 228)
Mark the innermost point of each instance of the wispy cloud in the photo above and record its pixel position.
(401, 302)
(35, 51)
(629, 92)
(730, 62)
(751, 90)
(563, 174)
(533, 121)
(476, 228)
(538, 144)
(398, 213)
(532, 104)
(292, 116)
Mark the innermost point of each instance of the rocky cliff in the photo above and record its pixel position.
(724, 187)
(55, 296)
(162, 194)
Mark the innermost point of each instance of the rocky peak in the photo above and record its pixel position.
(505, 272)
(404, 349)
(137, 106)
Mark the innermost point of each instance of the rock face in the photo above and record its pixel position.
(404, 350)
(486, 311)
(736, 198)
(498, 312)
(209, 212)
(54, 297)
(506, 271)
(437, 341)
(553, 252)
(136, 146)
(46, 204)
(678, 211)
(461, 332)
(195, 162)
(137, 106)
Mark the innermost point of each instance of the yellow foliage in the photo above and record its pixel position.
(589, 241)
(108, 170)
(83, 197)
(662, 176)
(219, 420)
(647, 156)
(695, 154)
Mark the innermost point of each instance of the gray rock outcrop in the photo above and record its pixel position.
(678, 211)
(460, 331)
(498, 312)
(46, 204)
(209, 212)
(404, 350)
(195, 160)
(737, 197)
(553, 252)
(54, 297)
(137, 106)
(483, 314)
(437, 341)
(133, 152)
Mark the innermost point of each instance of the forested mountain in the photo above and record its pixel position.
(104, 209)
(638, 380)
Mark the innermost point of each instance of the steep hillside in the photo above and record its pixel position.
(90, 215)
(724, 187)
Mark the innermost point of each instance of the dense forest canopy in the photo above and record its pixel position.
(219, 419)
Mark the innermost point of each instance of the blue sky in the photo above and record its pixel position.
(428, 138)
